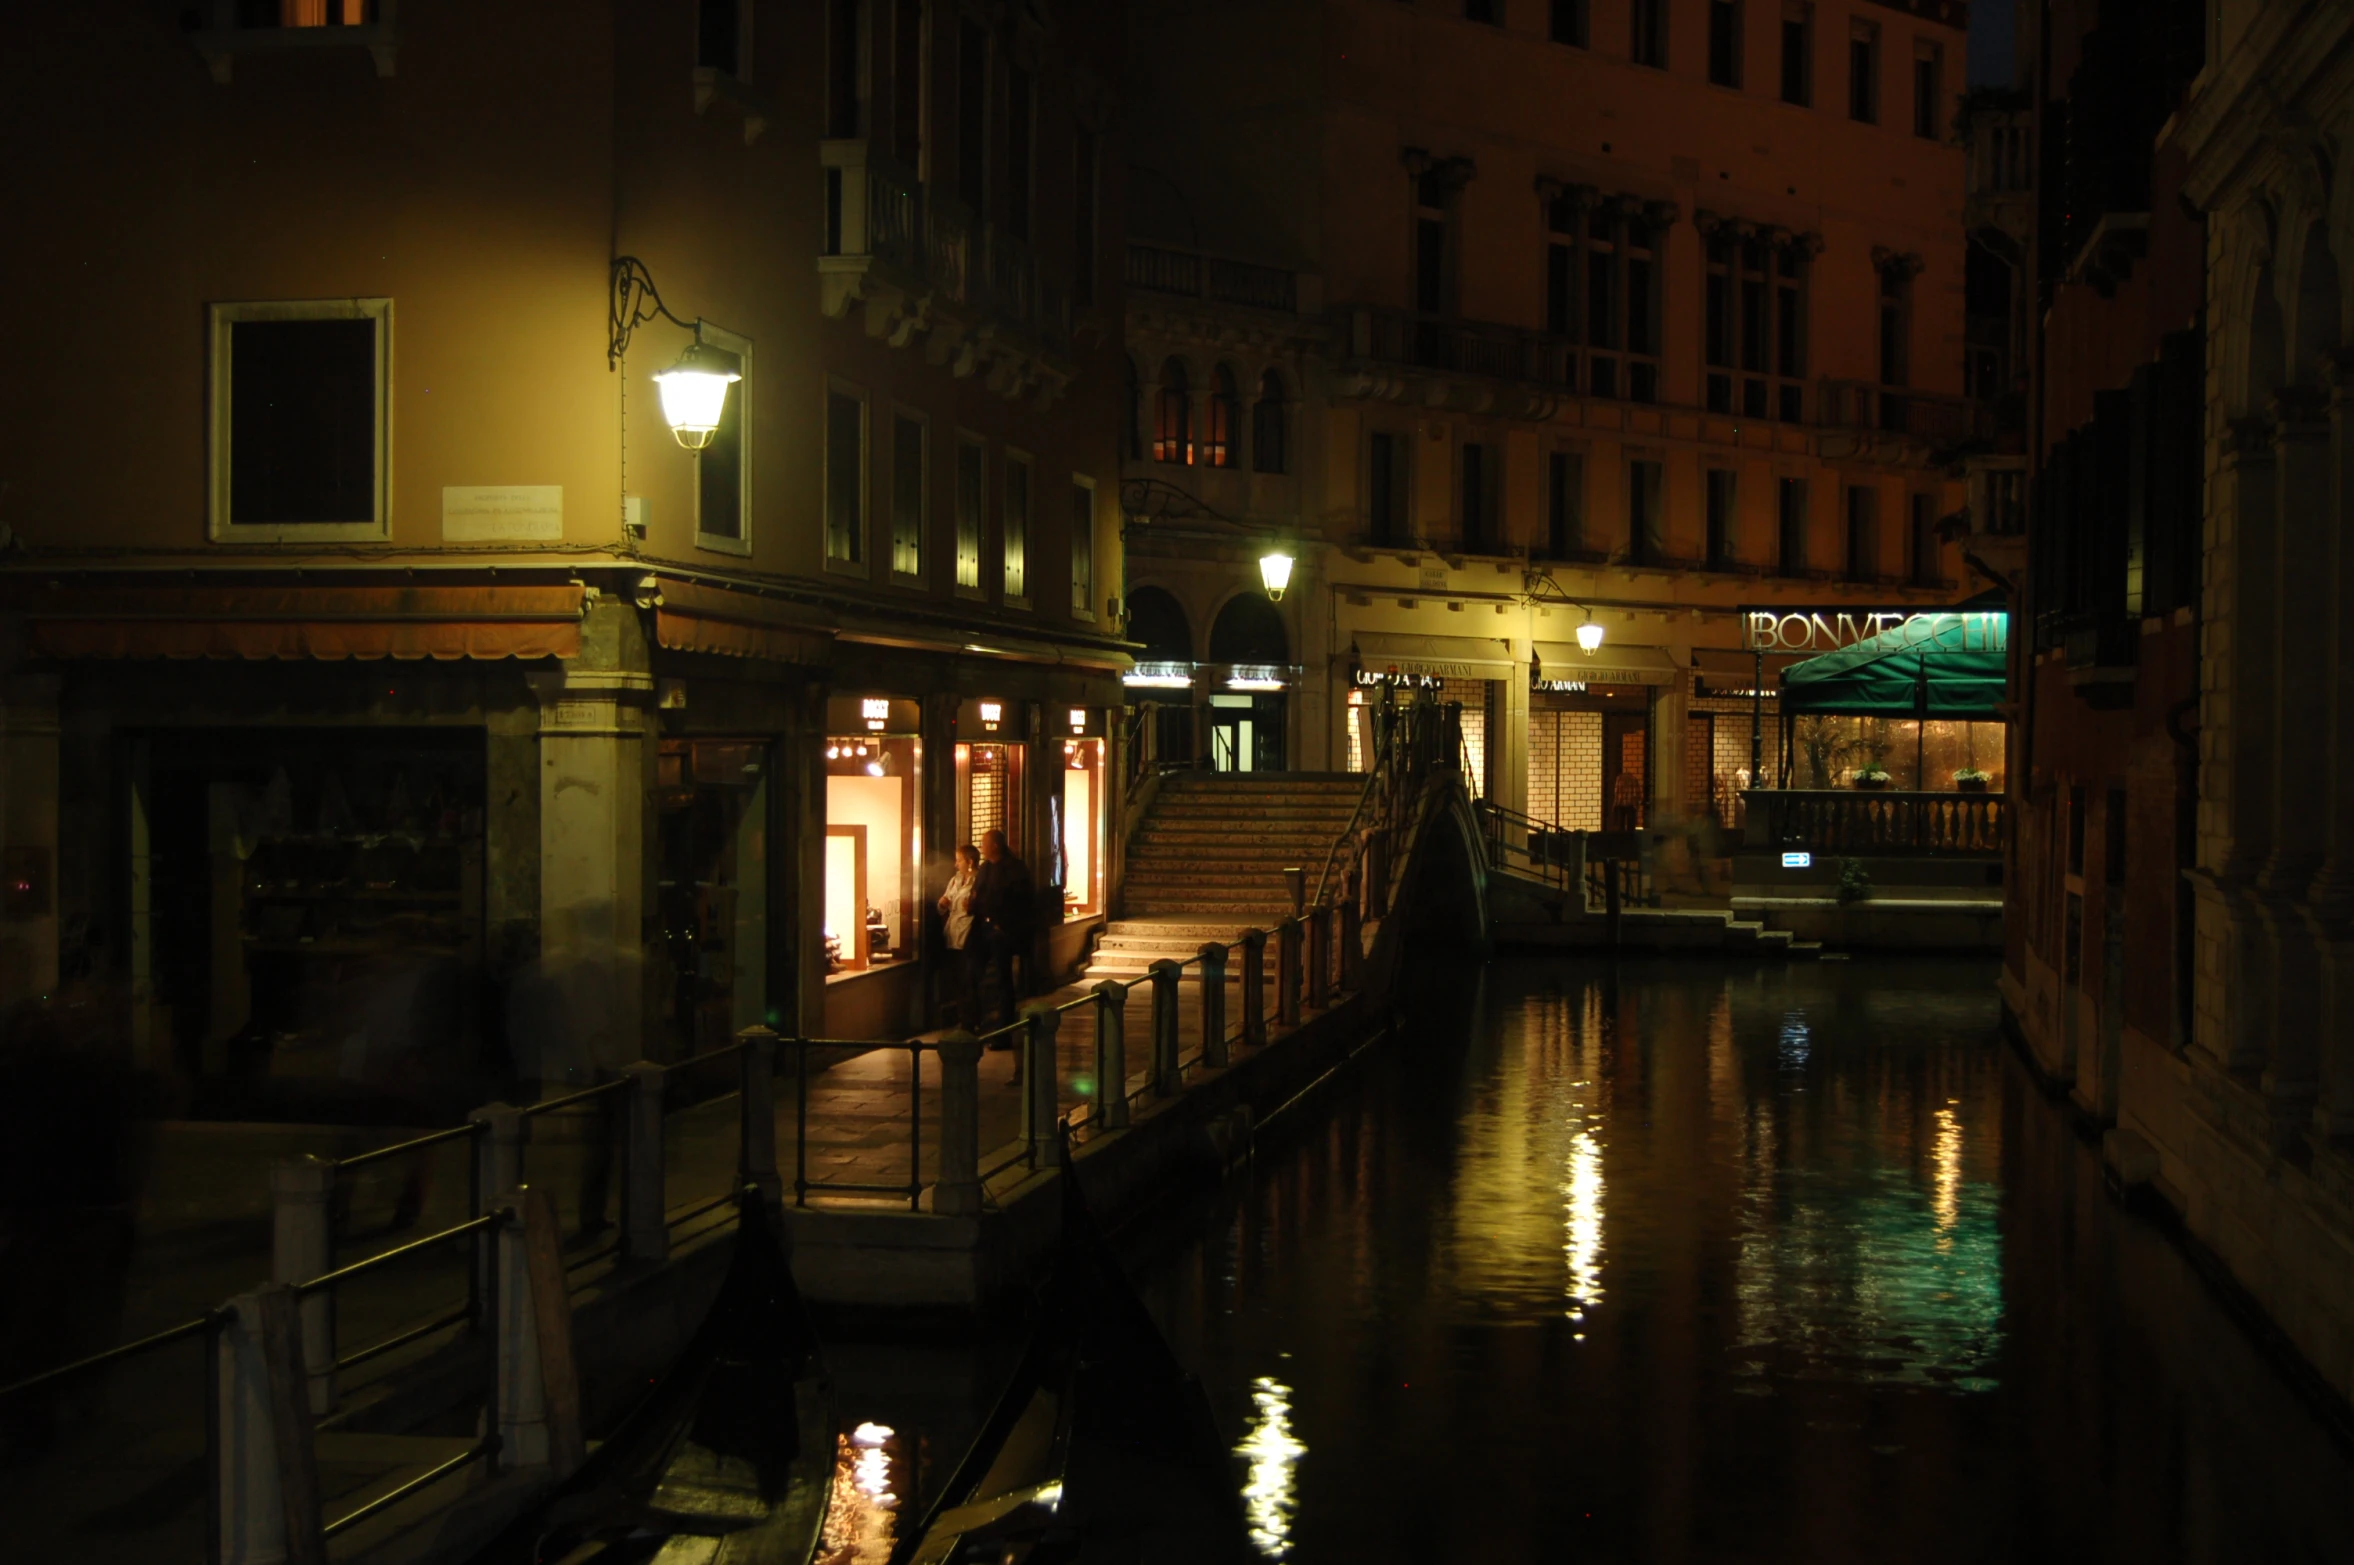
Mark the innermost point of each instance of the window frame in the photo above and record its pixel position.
(901, 414)
(1570, 23)
(1173, 447)
(1648, 48)
(1797, 14)
(1749, 272)
(978, 445)
(1790, 524)
(1646, 519)
(1863, 85)
(741, 69)
(1720, 539)
(1083, 593)
(1928, 87)
(1401, 534)
(1271, 413)
(860, 107)
(1736, 60)
(863, 564)
(1479, 481)
(1565, 502)
(1012, 460)
(724, 543)
(1221, 436)
(219, 525)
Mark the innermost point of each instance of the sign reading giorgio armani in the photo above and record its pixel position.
(1827, 630)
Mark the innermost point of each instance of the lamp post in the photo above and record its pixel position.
(694, 390)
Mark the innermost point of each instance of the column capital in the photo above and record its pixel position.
(2247, 441)
(2299, 413)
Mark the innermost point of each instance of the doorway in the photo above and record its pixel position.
(1247, 733)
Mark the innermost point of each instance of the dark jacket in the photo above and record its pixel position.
(1001, 896)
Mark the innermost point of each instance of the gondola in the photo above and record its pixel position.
(728, 1462)
(1102, 1449)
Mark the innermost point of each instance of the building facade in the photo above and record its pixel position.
(1507, 318)
(390, 697)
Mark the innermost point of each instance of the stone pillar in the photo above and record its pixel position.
(1671, 712)
(1508, 745)
(250, 1501)
(1111, 1055)
(1254, 987)
(2236, 745)
(2331, 899)
(1213, 992)
(2299, 766)
(645, 1234)
(958, 1190)
(756, 1110)
(28, 832)
(1165, 1078)
(521, 1392)
(302, 1246)
(594, 757)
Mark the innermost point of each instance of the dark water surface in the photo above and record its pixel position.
(1684, 1262)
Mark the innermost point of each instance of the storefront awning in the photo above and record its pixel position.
(1611, 665)
(691, 617)
(327, 623)
(1434, 657)
(1952, 673)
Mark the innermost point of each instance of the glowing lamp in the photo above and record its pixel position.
(1589, 637)
(694, 392)
(1078, 720)
(1275, 574)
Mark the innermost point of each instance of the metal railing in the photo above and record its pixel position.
(1859, 821)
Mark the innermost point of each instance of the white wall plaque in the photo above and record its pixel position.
(484, 513)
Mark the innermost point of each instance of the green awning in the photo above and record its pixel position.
(1940, 666)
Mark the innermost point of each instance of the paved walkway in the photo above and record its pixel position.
(121, 1475)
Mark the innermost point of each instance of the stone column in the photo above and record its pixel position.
(2299, 767)
(2330, 902)
(2236, 750)
(1670, 712)
(594, 755)
(1508, 749)
(28, 831)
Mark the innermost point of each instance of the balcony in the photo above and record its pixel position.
(1860, 822)
(1189, 274)
(1943, 423)
(920, 271)
(2101, 652)
(1477, 366)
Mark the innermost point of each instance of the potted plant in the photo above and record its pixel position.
(1971, 780)
(1871, 775)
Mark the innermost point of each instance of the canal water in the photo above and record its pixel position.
(1684, 1262)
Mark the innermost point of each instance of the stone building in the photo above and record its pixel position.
(389, 697)
(1508, 317)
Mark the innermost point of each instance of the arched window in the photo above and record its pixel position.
(1249, 629)
(1218, 450)
(1158, 621)
(1267, 453)
(1172, 429)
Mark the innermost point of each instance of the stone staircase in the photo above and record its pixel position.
(1207, 862)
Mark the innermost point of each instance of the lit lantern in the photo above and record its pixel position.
(1275, 573)
(1078, 720)
(1589, 636)
(694, 392)
(992, 713)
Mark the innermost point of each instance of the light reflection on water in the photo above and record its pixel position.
(862, 1511)
(1273, 1452)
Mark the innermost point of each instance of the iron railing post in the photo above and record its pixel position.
(1287, 973)
(1040, 1097)
(1213, 980)
(645, 1234)
(957, 1192)
(1164, 1028)
(1111, 1055)
(1254, 987)
(756, 1136)
(1319, 960)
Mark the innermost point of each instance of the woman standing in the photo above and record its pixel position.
(956, 913)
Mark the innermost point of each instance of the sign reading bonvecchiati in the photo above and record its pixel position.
(1827, 630)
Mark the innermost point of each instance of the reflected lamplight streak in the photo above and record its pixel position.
(1949, 1174)
(1582, 1222)
(860, 1526)
(1269, 1498)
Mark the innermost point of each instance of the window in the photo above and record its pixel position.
(907, 83)
(1021, 112)
(304, 13)
(1863, 533)
(1267, 425)
(972, 114)
(299, 436)
(1720, 549)
(1488, 11)
(1082, 548)
(1172, 429)
(1084, 239)
(1568, 23)
(1132, 435)
(1926, 571)
(1724, 42)
(846, 69)
(1928, 85)
(1649, 42)
(1225, 403)
(1790, 525)
(1753, 335)
(1477, 524)
(1434, 282)
(971, 490)
(911, 474)
(1565, 503)
(1896, 309)
(1863, 72)
(719, 36)
(1643, 513)
(723, 468)
(845, 482)
(1017, 530)
(1613, 243)
(1798, 53)
(1385, 487)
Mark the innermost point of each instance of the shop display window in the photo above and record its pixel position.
(1589, 757)
(989, 793)
(1827, 750)
(1079, 827)
(873, 850)
(712, 888)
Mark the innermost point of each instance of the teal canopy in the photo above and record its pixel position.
(1947, 667)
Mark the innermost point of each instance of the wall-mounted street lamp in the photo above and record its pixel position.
(694, 390)
(1275, 573)
(1589, 635)
(1537, 587)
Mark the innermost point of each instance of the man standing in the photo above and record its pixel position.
(1001, 909)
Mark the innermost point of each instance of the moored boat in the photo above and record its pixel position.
(728, 1462)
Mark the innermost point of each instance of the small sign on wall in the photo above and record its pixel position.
(493, 513)
(1798, 861)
